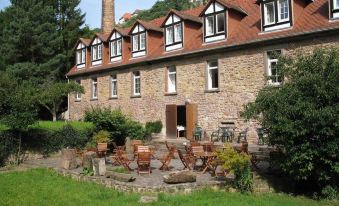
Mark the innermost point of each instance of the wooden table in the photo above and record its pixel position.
(207, 159)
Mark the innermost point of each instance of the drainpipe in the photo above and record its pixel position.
(68, 101)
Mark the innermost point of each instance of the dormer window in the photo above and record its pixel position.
(116, 47)
(215, 23)
(81, 56)
(96, 52)
(276, 14)
(334, 9)
(138, 41)
(173, 33)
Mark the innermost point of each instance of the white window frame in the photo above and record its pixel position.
(279, 11)
(209, 74)
(207, 28)
(266, 14)
(270, 61)
(114, 86)
(217, 23)
(78, 94)
(135, 79)
(116, 48)
(97, 52)
(336, 4)
(94, 88)
(171, 88)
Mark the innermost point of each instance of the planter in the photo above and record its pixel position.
(92, 149)
(122, 177)
(102, 147)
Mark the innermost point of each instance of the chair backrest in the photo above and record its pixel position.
(197, 131)
(198, 149)
(143, 149)
(144, 157)
(102, 147)
(194, 143)
(208, 147)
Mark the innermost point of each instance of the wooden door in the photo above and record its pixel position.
(191, 119)
(171, 120)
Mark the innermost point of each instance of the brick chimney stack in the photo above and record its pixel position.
(107, 16)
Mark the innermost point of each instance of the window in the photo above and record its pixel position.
(171, 79)
(97, 52)
(174, 33)
(276, 14)
(114, 88)
(212, 75)
(139, 39)
(136, 84)
(78, 94)
(336, 4)
(94, 88)
(272, 70)
(269, 13)
(116, 47)
(215, 22)
(283, 10)
(334, 9)
(81, 56)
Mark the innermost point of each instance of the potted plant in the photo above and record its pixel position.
(101, 138)
(91, 146)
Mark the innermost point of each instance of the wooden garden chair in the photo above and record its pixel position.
(166, 160)
(188, 160)
(144, 163)
(121, 158)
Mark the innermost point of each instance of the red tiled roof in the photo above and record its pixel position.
(126, 16)
(314, 17)
(228, 4)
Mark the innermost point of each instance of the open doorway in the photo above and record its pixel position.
(181, 121)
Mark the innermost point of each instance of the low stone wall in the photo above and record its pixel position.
(131, 187)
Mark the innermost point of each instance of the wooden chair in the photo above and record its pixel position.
(144, 163)
(188, 161)
(208, 147)
(122, 159)
(194, 143)
(196, 150)
(188, 150)
(166, 160)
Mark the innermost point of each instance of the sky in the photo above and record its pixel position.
(92, 8)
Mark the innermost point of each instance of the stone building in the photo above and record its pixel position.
(199, 66)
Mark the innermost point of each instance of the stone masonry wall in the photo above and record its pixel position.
(242, 75)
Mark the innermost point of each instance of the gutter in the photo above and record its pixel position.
(262, 42)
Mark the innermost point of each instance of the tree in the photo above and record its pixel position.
(301, 117)
(159, 9)
(52, 95)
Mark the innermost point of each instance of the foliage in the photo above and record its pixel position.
(330, 193)
(120, 170)
(159, 9)
(58, 190)
(301, 117)
(55, 126)
(87, 171)
(51, 96)
(116, 123)
(239, 164)
(8, 146)
(101, 137)
(153, 127)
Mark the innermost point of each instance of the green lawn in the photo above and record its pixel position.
(43, 187)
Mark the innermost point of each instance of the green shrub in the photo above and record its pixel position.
(102, 137)
(301, 117)
(153, 127)
(240, 165)
(116, 123)
(330, 193)
(8, 146)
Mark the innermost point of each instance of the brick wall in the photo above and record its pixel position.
(242, 75)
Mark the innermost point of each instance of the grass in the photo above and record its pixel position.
(120, 170)
(44, 187)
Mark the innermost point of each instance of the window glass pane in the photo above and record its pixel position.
(213, 78)
(169, 35)
(78, 57)
(94, 88)
(114, 85)
(172, 79)
(336, 4)
(119, 47)
(94, 53)
(209, 25)
(83, 56)
(283, 9)
(220, 23)
(142, 41)
(135, 42)
(212, 64)
(114, 52)
(178, 32)
(269, 13)
(99, 51)
(136, 83)
(273, 72)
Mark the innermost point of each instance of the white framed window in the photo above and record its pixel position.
(139, 40)
(136, 84)
(143, 41)
(273, 74)
(212, 75)
(114, 86)
(169, 35)
(94, 88)
(178, 32)
(78, 94)
(173, 33)
(283, 10)
(136, 43)
(81, 55)
(215, 23)
(116, 47)
(269, 12)
(336, 4)
(220, 23)
(97, 52)
(209, 21)
(171, 79)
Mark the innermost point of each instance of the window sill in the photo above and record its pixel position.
(273, 84)
(112, 98)
(94, 99)
(171, 93)
(78, 100)
(136, 96)
(212, 90)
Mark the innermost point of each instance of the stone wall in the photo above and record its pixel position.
(242, 75)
